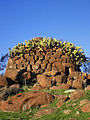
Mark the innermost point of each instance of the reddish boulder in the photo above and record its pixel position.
(77, 94)
(18, 76)
(12, 74)
(77, 84)
(25, 76)
(61, 86)
(86, 108)
(59, 104)
(23, 101)
(62, 97)
(83, 102)
(5, 92)
(74, 75)
(44, 112)
(60, 78)
(3, 81)
(44, 80)
(88, 87)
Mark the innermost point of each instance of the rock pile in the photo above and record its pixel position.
(48, 67)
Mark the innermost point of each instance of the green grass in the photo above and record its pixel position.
(57, 115)
(13, 116)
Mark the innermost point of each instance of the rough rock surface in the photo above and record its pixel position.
(86, 108)
(83, 102)
(35, 63)
(60, 86)
(44, 112)
(49, 68)
(3, 81)
(44, 80)
(5, 92)
(77, 94)
(62, 97)
(61, 100)
(23, 101)
(88, 87)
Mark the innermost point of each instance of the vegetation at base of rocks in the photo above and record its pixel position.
(57, 115)
(42, 44)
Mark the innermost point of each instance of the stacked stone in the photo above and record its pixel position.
(36, 62)
(48, 67)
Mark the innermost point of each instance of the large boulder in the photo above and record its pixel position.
(3, 81)
(44, 80)
(5, 92)
(60, 78)
(23, 101)
(16, 69)
(12, 74)
(77, 84)
(77, 80)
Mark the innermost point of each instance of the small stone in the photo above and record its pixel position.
(77, 113)
(83, 102)
(62, 97)
(88, 87)
(77, 94)
(43, 106)
(59, 104)
(66, 112)
(44, 112)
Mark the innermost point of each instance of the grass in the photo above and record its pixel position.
(57, 115)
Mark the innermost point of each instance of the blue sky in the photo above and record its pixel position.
(22, 20)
